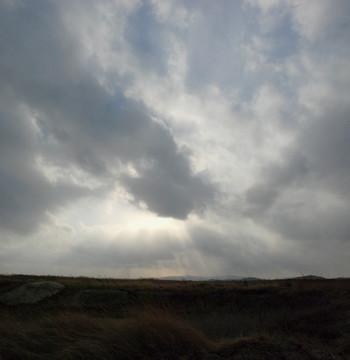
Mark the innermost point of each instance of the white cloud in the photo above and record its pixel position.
(173, 12)
(317, 19)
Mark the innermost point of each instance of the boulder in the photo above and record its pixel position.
(31, 293)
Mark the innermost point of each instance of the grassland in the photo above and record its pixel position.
(157, 319)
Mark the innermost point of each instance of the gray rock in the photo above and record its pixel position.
(31, 293)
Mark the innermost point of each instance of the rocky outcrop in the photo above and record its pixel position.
(31, 293)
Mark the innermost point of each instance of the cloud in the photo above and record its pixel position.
(305, 196)
(312, 20)
(172, 12)
(315, 20)
(275, 179)
(165, 136)
(128, 250)
(61, 117)
(167, 185)
(301, 193)
(26, 193)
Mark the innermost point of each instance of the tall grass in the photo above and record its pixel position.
(181, 320)
(147, 335)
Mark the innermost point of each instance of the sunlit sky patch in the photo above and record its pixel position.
(159, 137)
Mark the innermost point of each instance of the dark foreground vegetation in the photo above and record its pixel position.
(157, 319)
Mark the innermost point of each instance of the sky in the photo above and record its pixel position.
(160, 137)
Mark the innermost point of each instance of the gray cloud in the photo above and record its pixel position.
(306, 196)
(234, 252)
(323, 211)
(26, 194)
(257, 100)
(313, 221)
(76, 123)
(326, 142)
(275, 178)
(147, 249)
(167, 185)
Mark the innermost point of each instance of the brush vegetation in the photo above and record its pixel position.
(157, 319)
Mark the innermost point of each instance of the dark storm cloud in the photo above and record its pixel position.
(53, 108)
(167, 185)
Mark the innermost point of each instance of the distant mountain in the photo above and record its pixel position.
(209, 278)
(251, 279)
(234, 278)
(308, 277)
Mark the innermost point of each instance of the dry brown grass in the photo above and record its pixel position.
(147, 335)
(287, 319)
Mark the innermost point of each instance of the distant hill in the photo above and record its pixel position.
(240, 278)
(209, 278)
(308, 277)
(234, 278)
(251, 279)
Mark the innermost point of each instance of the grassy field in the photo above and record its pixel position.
(158, 319)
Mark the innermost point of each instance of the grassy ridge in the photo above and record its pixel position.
(157, 319)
